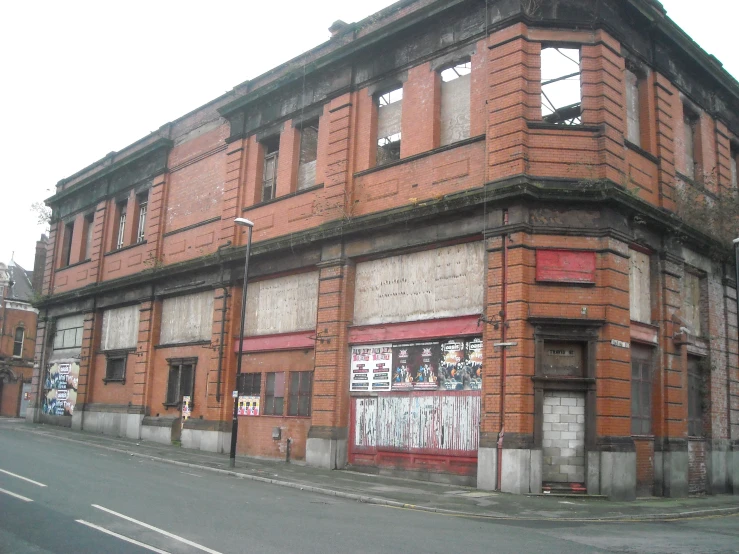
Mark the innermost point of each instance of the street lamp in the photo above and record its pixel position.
(235, 425)
(736, 266)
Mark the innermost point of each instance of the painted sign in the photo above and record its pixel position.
(60, 388)
(371, 367)
(565, 266)
(248, 406)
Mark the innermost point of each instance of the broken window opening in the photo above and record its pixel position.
(389, 112)
(121, 225)
(308, 155)
(142, 202)
(89, 227)
(690, 126)
(67, 244)
(733, 163)
(455, 103)
(269, 174)
(561, 97)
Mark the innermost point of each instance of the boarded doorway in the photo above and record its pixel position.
(563, 437)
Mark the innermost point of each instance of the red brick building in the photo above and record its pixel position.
(469, 259)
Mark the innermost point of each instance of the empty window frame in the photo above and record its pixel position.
(20, 334)
(734, 154)
(308, 155)
(389, 113)
(301, 389)
(68, 332)
(269, 171)
(181, 380)
(121, 229)
(274, 393)
(115, 367)
(691, 293)
(561, 96)
(691, 143)
(455, 103)
(696, 397)
(67, 244)
(142, 204)
(640, 281)
(641, 390)
(635, 127)
(89, 227)
(249, 384)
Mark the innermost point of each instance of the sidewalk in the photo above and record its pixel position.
(404, 493)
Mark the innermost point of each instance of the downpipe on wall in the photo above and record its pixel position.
(503, 353)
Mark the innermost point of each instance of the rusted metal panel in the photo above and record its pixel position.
(439, 283)
(565, 266)
(120, 328)
(187, 318)
(282, 305)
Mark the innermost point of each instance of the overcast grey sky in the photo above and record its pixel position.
(84, 78)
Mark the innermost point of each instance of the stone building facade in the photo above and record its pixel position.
(468, 264)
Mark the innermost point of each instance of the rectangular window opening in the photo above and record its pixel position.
(141, 229)
(641, 390)
(274, 394)
(250, 384)
(691, 125)
(308, 155)
(301, 388)
(269, 174)
(389, 112)
(455, 103)
(561, 96)
(633, 108)
(696, 397)
(115, 367)
(181, 381)
(640, 282)
(89, 226)
(733, 164)
(20, 333)
(120, 237)
(67, 244)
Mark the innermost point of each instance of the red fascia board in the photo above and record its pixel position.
(432, 329)
(565, 266)
(283, 341)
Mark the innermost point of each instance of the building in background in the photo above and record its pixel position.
(18, 332)
(479, 256)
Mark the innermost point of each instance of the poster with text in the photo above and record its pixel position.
(415, 366)
(370, 367)
(60, 388)
(461, 364)
(248, 406)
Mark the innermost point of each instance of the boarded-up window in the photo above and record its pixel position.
(732, 162)
(640, 287)
(308, 155)
(641, 390)
(282, 305)
(69, 332)
(455, 103)
(187, 318)
(444, 282)
(633, 132)
(120, 328)
(89, 227)
(692, 303)
(696, 397)
(389, 112)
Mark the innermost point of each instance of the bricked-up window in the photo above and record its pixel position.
(274, 394)
(696, 397)
(691, 293)
(141, 202)
(308, 155)
(455, 103)
(389, 112)
(691, 142)
(269, 172)
(20, 334)
(301, 388)
(640, 281)
(89, 226)
(641, 390)
(115, 367)
(121, 230)
(561, 96)
(181, 380)
(67, 243)
(249, 384)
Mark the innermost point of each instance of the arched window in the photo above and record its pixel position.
(18, 342)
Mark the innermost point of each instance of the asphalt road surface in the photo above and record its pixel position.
(63, 497)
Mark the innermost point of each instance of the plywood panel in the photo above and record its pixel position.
(282, 305)
(187, 318)
(120, 328)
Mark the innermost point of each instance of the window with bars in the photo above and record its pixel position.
(115, 367)
(301, 388)
(20, 334)
(141, 229)
(696, 397)
(389, 112)
(308, 155)
(561, 96)
(269, 173)
(250, 384)
(181, 380)
(274, 394)
(121, 237)
(641, 390)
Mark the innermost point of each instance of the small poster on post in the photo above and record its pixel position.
(248, 406)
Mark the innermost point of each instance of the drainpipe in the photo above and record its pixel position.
(223, 325)
(736, 267)
(503, 353)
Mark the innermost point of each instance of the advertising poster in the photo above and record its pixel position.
(461, 364)
(248, 406)
(60, 388)
(371, 366)
(186, 408)
(415, 366)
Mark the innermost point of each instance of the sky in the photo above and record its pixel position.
(84, 78)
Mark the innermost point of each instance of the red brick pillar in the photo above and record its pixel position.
(90, 330)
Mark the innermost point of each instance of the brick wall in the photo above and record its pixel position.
(644, 466)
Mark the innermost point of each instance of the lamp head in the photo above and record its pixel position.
(243, 221)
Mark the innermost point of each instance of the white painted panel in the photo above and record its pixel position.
(187, 318)
(455, 110)
(639, 287)
(460, 422)
(444, 282)
(282, 305)
(120, 328)
(365, 424)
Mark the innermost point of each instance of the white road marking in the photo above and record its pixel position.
(186, 473)
(162, 531)
(16, 495)
(122, 537)
(21, 477)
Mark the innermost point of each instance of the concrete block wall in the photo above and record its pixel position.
(563, 443)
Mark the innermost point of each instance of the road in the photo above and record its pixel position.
(64, 497)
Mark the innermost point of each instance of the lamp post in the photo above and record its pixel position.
(235, 425)
(736, 267)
